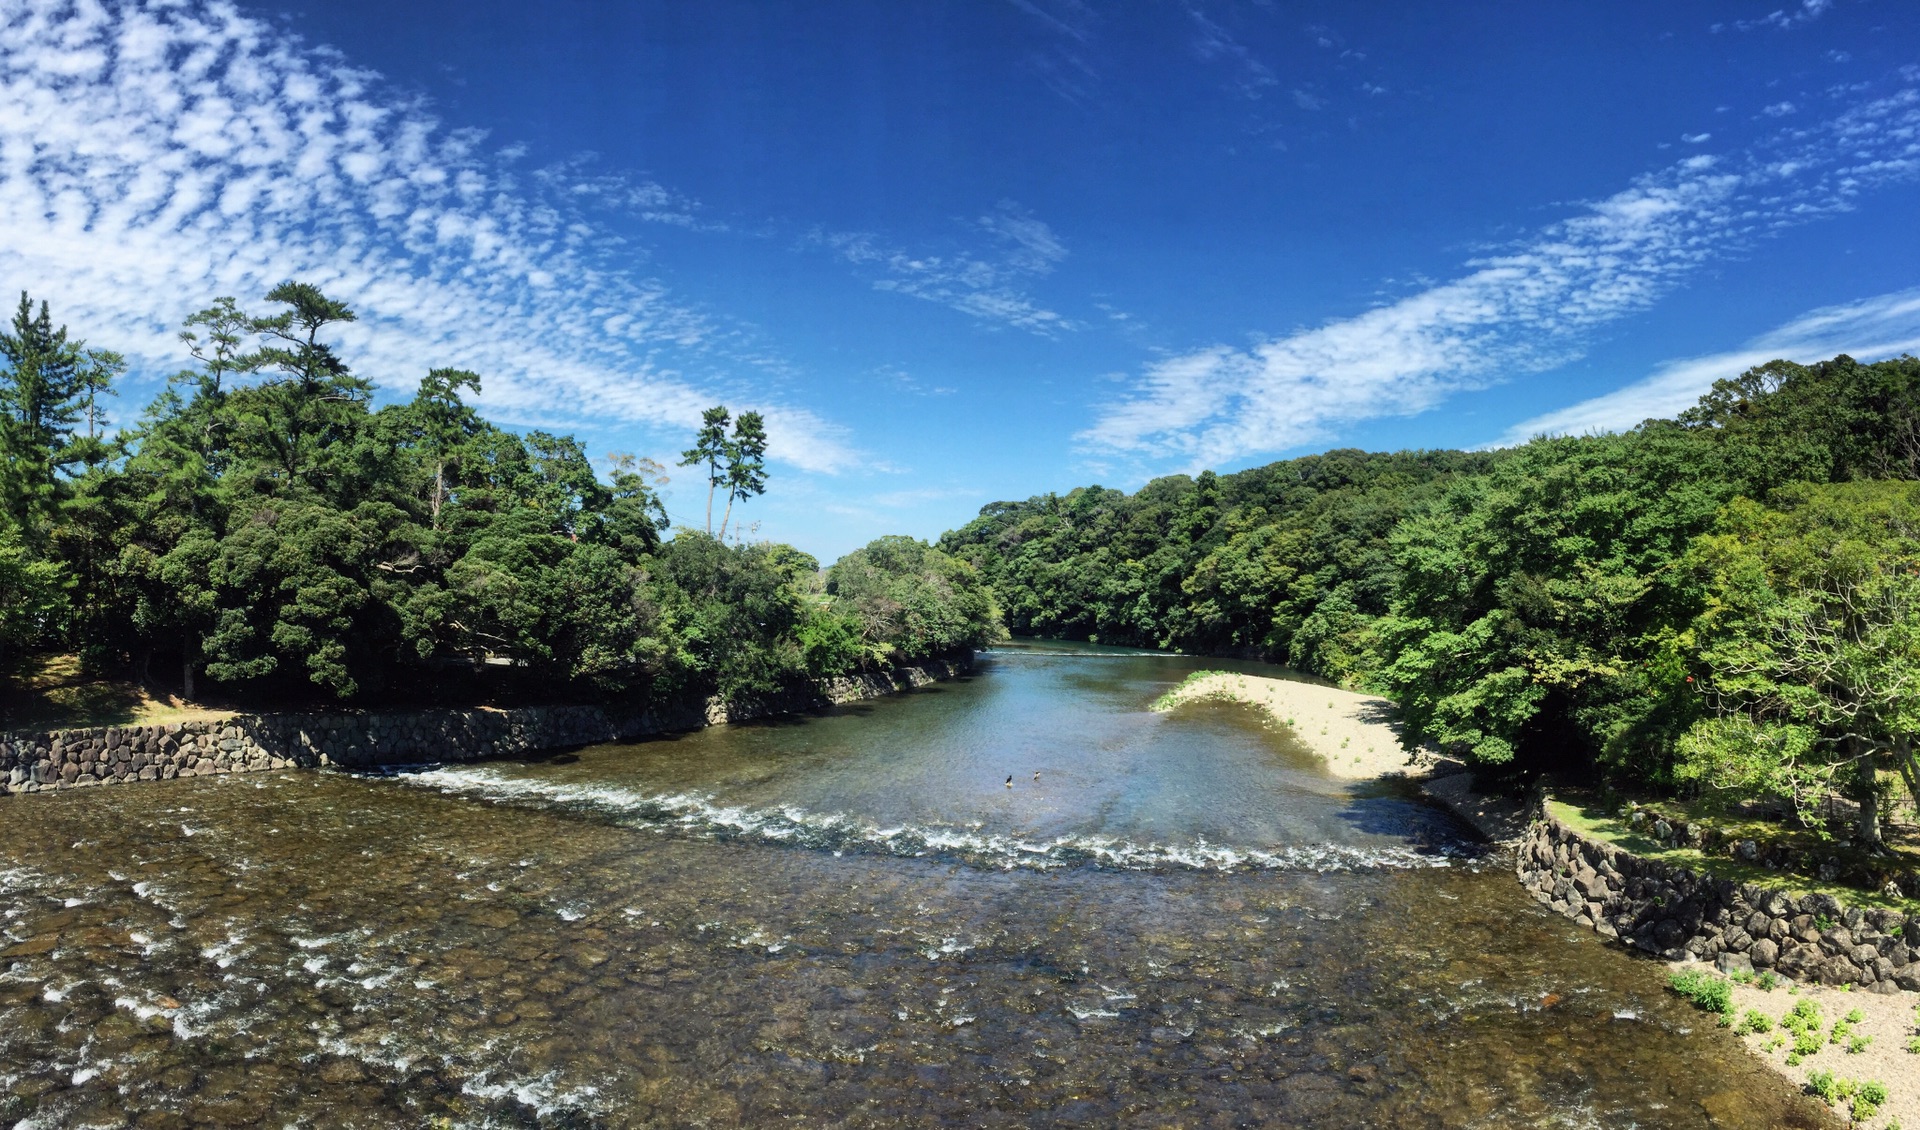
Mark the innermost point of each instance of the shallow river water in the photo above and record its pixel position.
(840, 920)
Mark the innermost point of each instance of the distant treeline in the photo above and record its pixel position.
(265, 529)
(1725, 601)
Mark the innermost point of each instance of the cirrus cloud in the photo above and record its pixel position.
(156, 154)
(1886, 325)
(1529, 308)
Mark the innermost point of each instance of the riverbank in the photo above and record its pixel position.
(36, 761)
(1857, 964)
(1876, 1031)
(1357, 737)
(1353, 733)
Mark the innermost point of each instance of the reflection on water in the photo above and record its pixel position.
(846, 920)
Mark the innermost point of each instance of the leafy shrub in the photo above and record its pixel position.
(1707, 992)
(1755, 1022)
(1862, 1100)
(1804, 1021)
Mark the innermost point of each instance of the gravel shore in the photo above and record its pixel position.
(1887, 1021)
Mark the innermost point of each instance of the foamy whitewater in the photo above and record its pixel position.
(704, 817)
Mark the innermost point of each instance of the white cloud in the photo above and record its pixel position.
(1527, 309)
(1869, 330)
(1807, 12)
(988, 284)
(155, 155)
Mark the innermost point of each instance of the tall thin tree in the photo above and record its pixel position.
(39, 404)
(710, 448)
(316, 377)
(746, 463)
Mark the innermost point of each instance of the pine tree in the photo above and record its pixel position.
(40, 401)
(710, 448)
(746, 473)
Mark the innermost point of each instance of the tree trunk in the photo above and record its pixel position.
(1866, 793)
(727, 517)
(186, 667)
(710, 501)
(1909, 772)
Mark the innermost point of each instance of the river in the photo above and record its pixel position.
(848, 919)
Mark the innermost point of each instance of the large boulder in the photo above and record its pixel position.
(1734, 963)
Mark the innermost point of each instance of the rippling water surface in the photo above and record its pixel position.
(843, 920)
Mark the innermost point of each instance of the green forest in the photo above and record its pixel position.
(1726, 603)
(264, 534)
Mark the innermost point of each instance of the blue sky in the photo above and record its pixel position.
(960, 252)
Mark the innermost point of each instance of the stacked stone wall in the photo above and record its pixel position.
(1676, 913)
(37, 761)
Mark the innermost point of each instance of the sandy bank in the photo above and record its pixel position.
(1887, 1020)
(1353, 733)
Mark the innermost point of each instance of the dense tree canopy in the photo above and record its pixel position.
(1811, 638)
(1725, 601)
(1533, 608)
(263, 525)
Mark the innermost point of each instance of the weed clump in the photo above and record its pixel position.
(1707, 992)
(1804, 1023)
(1861, 1100)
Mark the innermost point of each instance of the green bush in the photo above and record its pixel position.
(1804, 1021)
(1862, 1100)
(1756, 1022)
(1708, 992)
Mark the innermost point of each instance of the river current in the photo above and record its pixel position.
(849, 919)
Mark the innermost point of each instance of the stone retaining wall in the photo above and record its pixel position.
(1675, 913)
(32, 762)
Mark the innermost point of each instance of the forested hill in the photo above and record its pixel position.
(1558, 602)
(263, 533)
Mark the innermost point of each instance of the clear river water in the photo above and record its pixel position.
(847, 919)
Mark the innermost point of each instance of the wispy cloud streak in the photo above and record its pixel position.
(986, 284)
(1782, 18)
(1527, 309)
(154, 155)
(1884, 326)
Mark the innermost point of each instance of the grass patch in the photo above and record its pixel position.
(57, 696)
(1596, 824)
